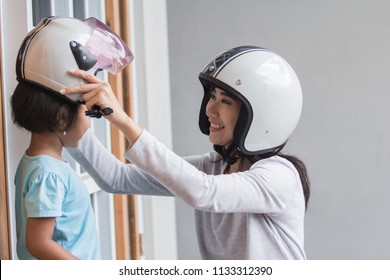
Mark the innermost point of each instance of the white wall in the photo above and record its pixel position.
(340, 51)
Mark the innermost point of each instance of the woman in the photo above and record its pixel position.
(249, 200)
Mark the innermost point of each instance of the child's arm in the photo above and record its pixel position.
(39, 240)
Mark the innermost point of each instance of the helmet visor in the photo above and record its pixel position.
(109, 49)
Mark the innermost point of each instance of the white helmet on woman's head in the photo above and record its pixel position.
(270, 93)
(58, 44)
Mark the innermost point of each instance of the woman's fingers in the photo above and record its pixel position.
(84, 75)
(83, 88)
(94, 92)
(100, 97)
(91, 90)
(97, 89)
(92, 83)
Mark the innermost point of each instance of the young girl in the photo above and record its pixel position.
(249, 200)
(54, 215)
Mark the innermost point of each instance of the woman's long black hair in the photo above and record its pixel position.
(298, 164)
(303, 175)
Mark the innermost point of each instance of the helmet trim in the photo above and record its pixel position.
(25, 45)
(26, 81)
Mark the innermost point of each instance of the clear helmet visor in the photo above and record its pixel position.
(108, 50)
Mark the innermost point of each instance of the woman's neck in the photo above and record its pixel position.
(242, 164)
(45, 144)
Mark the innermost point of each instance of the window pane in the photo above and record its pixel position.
(95, 9)
(79, 9)
(41, 9)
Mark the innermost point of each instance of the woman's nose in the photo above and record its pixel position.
(211, 109)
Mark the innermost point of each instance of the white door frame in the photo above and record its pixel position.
(16, 21)
(14, 29)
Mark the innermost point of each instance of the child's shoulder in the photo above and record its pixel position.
(43, 165)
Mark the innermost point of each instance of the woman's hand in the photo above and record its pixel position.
(98, 92)
(95, 92)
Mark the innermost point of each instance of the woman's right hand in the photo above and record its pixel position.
(95, 92)
(98, 92)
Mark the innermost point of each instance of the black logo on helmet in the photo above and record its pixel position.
(84, 58)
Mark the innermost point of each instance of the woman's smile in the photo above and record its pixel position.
(215, 127)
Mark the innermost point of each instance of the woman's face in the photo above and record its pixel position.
(80, 126)
(222, 112)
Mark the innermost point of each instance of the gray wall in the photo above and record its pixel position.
(341, 52)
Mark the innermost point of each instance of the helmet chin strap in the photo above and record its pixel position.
(230, 154)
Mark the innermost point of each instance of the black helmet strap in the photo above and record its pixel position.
(230, 154)
(233, 153)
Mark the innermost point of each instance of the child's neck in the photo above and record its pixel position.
(45, 144)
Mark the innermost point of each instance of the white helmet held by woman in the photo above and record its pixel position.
(58, 44)
(270, 93)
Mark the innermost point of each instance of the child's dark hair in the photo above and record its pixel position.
(39, 110)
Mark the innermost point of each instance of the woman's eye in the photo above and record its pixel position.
(225, 101)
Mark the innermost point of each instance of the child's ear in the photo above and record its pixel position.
(62, 126)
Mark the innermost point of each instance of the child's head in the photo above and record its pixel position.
(41, 111)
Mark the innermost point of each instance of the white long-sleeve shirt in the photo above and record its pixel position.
(256, 214)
